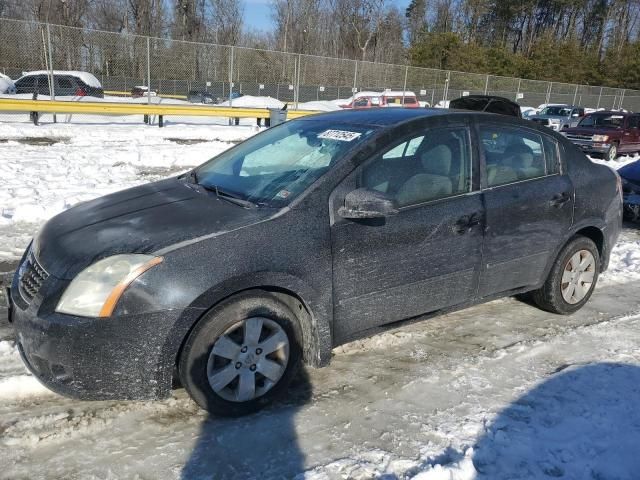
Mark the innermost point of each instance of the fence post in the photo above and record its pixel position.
(549, 87)
(297, 85)
(445, 92)
(518, 92)
(404, 89)
(486, 85)
(599, 97)
(52, 88)
(355, 80)
(621, 99)
(575, 95)
(231, 77)
(148, 71)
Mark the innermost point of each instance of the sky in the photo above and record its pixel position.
(257, 13)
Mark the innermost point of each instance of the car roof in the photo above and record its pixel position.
(382, 116)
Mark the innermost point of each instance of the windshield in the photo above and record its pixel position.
(275, 166)
(557, 111)
(602, 120)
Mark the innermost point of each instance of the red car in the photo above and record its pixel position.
(364, 100)
(400, 99)
(607, 133)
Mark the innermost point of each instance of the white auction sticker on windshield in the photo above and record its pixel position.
(341, 135)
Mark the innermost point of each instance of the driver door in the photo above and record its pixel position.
(425, 258)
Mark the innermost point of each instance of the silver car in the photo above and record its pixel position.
(558, 117)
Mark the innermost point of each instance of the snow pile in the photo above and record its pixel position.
(320, 106)
(625, 263)
(250, 101)
(21, 387)
(6, 85)
(37, 181)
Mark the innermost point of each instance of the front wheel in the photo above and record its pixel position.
(612, 153)
(241, 355)
(572, 278)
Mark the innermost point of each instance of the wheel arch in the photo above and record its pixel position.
(309, 310)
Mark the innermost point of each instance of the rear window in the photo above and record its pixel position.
(602, 120)
(65, 83)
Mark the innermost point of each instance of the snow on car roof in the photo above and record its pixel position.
(396, 93)
(86, 77)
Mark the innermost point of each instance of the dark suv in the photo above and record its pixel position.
(607, 133)
(306, 236)
(66, 84)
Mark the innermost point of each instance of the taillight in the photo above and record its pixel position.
(80, 92)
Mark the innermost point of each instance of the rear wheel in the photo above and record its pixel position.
(241, 355)
(572, 278)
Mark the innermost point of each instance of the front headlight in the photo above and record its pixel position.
(600, 138)
(96, 290)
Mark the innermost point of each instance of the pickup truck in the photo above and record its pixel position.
(607, 133)
(557, 117)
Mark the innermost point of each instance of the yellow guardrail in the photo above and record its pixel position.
(116, 108)
(122, 93)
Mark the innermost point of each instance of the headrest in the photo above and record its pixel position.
(437, 160)
(521, 155)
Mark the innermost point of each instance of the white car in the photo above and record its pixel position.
(6, 85)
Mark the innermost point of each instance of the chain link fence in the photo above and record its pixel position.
(203, 72)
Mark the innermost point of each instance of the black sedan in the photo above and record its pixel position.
(631, 190)
(306, 236)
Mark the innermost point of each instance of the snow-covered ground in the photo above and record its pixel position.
(497, 391)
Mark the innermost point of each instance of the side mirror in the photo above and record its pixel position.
(364, 203)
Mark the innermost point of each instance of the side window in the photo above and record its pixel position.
(422, 168)
(512, 154)
(26, 85)
(552, 158)
(634, 122)
(64, 82)
(43, 84)
(405, 149)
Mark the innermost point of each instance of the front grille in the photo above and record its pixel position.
(32, 276)
(541, 121)
(579, 137)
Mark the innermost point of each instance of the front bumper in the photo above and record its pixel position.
(129, 357)
(590, 147)
(631, 206)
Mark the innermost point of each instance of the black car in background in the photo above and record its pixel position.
(65, 84)
(306, 236)
(488, 104)
(630, 175)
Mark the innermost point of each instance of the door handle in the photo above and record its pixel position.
(467, 222)
(560, 199)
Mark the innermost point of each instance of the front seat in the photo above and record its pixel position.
(434, 183)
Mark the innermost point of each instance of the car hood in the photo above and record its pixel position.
(548, 117)
(142, 219)
(631, 172)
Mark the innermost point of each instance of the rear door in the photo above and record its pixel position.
(633, 131)
(65, 86)
(528, 203)
(428, 255)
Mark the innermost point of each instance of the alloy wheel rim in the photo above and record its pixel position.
(613, 152)
(248, 359)
(578, 277)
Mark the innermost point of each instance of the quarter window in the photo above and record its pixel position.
(426, 167)
(514, 154)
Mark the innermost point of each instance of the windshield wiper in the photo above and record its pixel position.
(228, 196)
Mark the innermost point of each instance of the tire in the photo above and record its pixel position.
(554, 295)
(612, 153)
(233, 367)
